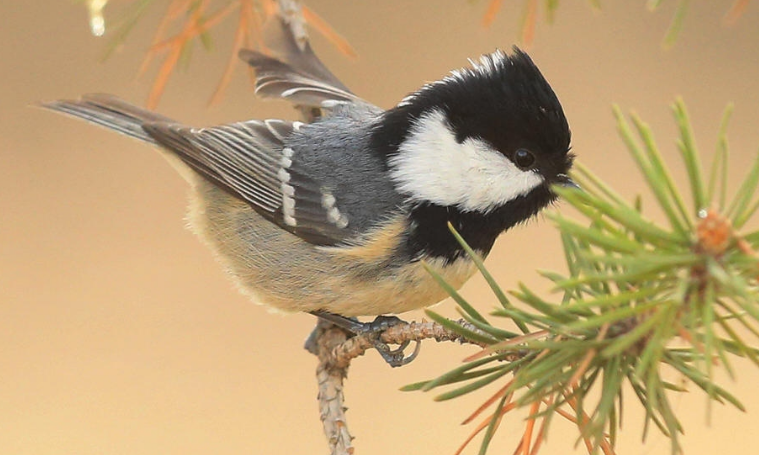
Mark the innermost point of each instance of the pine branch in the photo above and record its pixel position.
(640, 299)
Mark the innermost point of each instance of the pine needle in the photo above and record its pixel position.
(529, 22)
(328, 32)
(241, 33)
(735, 12)
(489, 402)
(493, 7)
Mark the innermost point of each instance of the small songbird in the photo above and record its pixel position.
(336, 215)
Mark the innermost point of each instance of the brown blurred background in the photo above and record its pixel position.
(119, 334)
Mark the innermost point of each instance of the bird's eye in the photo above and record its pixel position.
(524, 159)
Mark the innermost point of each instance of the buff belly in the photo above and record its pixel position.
(280, 270)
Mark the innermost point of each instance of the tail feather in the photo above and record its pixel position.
(110, 112)
(280, 38)
(295, 72)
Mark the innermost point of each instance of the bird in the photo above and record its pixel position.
(338, 214)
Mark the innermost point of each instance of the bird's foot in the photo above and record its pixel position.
(394, 357)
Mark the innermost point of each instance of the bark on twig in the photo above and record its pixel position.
(292, 12)
(336, 348)
(356, 346)
(330, 379)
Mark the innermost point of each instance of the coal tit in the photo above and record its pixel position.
(336, 214)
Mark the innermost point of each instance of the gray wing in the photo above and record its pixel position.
(247, 159)
(250, 160)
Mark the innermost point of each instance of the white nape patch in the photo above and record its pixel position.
(288, 191)
(431, 166)
(333, 214)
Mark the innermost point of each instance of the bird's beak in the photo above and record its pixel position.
(565, 181)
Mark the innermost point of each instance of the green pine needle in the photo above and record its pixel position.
(639, 299)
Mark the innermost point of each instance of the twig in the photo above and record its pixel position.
(330, 379)
(336, 348)
(292, 12)
(356, 346)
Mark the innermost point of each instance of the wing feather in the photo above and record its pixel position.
(251, 160)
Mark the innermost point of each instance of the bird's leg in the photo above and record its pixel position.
(394, 357)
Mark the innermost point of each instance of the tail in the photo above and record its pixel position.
(295, 72)
(120, 116)
(110, 112)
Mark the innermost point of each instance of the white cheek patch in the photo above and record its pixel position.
(432, 166)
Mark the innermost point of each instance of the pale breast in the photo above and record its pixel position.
(280, 270)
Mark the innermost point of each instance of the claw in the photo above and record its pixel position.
(394, 357)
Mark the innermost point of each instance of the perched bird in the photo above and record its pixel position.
(335, 216)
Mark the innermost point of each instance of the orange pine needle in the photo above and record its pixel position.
(506, 343)
(269, 7)
(249, 33)
(530, 20)
(490, 401)
(585, 363)
(519, 446)
(539, 437)
(529, 427)
(735, 12)
(217, 16)
(237, 44)
(588, 446)
(171, 60)
(172, 12)
(254, 24)
(582, 367)
(605, 446)
(685, 335)
(208, 24)
(744, 247)
(256, 29)
(163, 76)
(484, 424)
(493, 7)
(566, 415)
(328, 32)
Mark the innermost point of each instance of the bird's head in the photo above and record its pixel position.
(479, 139)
